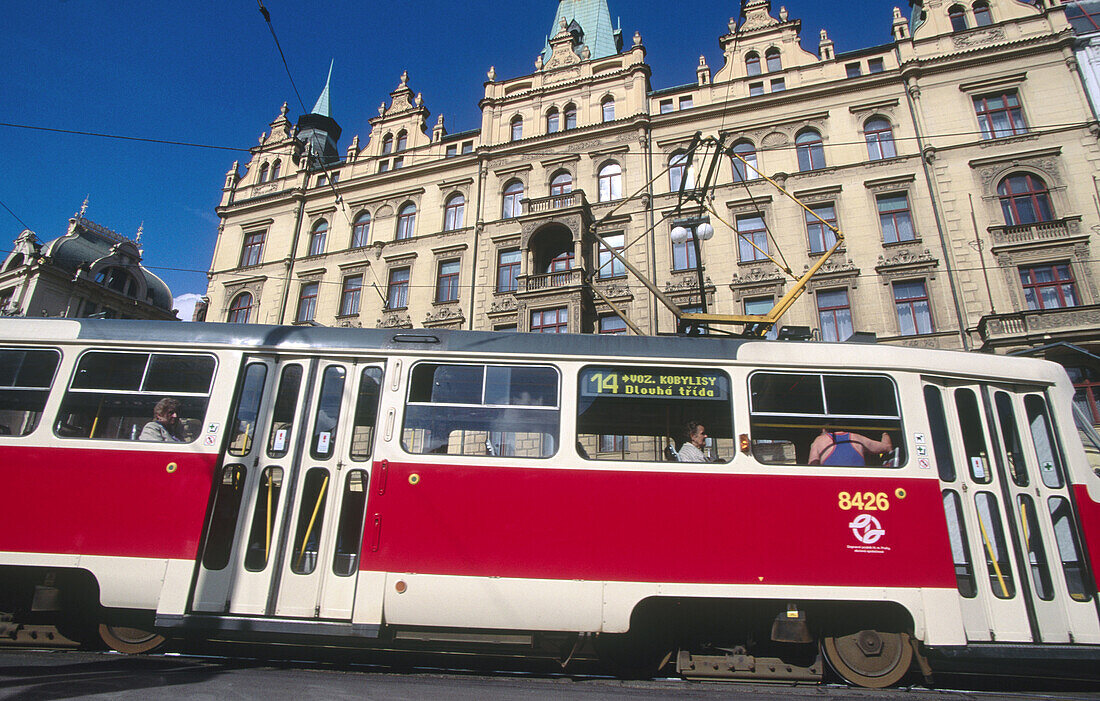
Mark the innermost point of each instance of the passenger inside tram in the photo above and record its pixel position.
(846, 448)
(165, 426)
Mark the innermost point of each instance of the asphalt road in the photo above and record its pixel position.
(66, 674)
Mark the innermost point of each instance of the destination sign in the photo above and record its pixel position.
(664, 383)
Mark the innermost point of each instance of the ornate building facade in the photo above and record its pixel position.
(958, 159)
(90, 271)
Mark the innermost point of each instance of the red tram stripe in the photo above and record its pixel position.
(1089, 511)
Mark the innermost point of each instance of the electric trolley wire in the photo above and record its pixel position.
(14, 215)
(122, 137)
(270, 26)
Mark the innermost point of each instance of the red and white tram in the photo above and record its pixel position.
(511, 488)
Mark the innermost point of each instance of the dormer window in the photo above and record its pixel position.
(957, 15)
(118, 279)
(752, 64)
(276, 167)
(263, 173)
(775, 62)
(982, 16)
(387, 144)
(402, 141)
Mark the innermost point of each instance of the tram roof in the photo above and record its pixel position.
(179, 335)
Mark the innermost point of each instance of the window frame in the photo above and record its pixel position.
(508, 272)
(1037, 195)
(454, 212)
(235, 309)
(360, 231)
(810, 148)
(318, 238)
(515, 126)
(1011, 108)
(743, 246)
(605, 260)
(406, 222)
(836, 312)
(895, 215)
(252, 248)
(560, 325)
(910, 303)
(307, 301)
(351, 295)
(880, 139)
(817, 234)
(394, 283)
(448, 273)
(1033, 289)
(610, 182)
(512, 197)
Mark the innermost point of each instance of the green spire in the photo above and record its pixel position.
(323, 107)
(594, 19)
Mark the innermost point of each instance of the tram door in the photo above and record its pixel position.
(294, 489)
(1014, 539)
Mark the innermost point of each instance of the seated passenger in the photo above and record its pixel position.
(841, 448)
(695, 439)
(165, 426)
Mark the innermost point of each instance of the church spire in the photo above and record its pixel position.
(322, 107)
(589, 21)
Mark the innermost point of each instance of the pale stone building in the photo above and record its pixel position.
(958, 160)
(90, 271)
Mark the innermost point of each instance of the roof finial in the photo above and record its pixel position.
(141, 228)
(83, 207)
(323, 106)
(404, 78)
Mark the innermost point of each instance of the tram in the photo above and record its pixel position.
(422, 487)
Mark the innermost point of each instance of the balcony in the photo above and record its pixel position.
(1040, 326)
(1027, 235)
(551, 281)
(554, 203)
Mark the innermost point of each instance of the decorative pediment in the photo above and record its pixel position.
(758, 16)
(394, 320)
(561, 47)
(906, 262)
(504, 305)
(449, 315)
(833, 272)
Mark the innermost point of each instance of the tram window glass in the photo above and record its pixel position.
(993, 545)
(1046, 448)
(941, 441)
(1069, 548)
(247, 411)
(260, 536)
(960, 545)
(970, 420)
(645, 411)
(311, 516)
(228, 491)
(25, 379)
(284, 411)
(1036, 553)
(112, 395)
(1014, 451)
(366, 413)
(484, 410)
(788, 411)
(327, 419)
(349, 536)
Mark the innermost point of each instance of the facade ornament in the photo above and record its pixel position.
(439, 121)
(492, 73)
(733, 25)
(419, 99)
(897, 14)
(141, 229)
(757, 15)
(637, 38)
(538, 62)
(284, 110)
(404, 78)
(508, 304)
(585, 53)
(263, 136)
(84, 206)
(783, 13)
(382, 108)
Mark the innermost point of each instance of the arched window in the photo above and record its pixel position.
(1024, 199)
(517, 128)
(957, 15)
(611, 182)
(561, 184)
(608, 105)
(360, 232)
(570, 112)
(982, 16)
(240, 309)
(387, 144)
(744, 170)
(553, 120)
(406, 221)
(880, 139)
(513, 194)
(811, 150)
(678, 171)
(317, 238)
(276, 168)
(453, 213)
(263, 173)
(402, 141)
(752, 63)
(775, 61)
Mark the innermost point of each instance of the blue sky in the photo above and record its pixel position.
(209, 73)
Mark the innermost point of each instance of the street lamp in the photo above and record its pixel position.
(682, 230)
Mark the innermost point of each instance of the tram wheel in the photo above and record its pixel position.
(131, 641)
(869, 658)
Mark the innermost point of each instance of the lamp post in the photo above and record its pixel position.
(697, 229)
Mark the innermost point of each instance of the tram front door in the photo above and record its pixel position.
(1014, 534)
(287, 520)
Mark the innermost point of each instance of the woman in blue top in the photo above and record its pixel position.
(841, 448)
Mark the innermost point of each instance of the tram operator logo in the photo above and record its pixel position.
(867, 529)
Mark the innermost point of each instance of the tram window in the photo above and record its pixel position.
(941, 441)
(284, 411)
(248, 409)
(1046, 448)
(483, 410)
(263, 520)
(1036, 553)
(960, 545)
(228, 491)
(366, 413)
(349, 536)
(112, 395)
(1014, 452)
(788, 411)
(993, 545)
(25, 379)
(970, 420)
(311, 516)
(640, 413)
(327, 419)
(1069, 548)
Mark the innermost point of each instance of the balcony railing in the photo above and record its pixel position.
(1034, 233)
(1015, 327)
(547, 281)
(548, 204)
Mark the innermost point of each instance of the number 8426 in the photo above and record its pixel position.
(863, 501)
